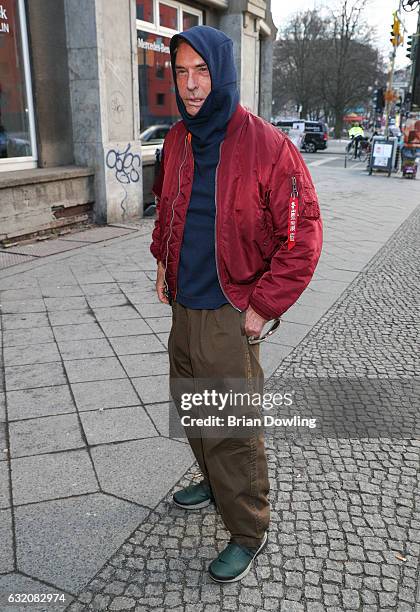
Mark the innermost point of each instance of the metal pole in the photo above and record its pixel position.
(391, 79)
(389, 89)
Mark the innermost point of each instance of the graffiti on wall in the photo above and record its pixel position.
(127, 169)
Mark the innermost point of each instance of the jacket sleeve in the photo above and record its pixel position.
(155, 247)
(290, 269)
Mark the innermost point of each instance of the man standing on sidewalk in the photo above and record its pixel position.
(237, 238)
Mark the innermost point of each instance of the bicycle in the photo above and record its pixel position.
(363, 148)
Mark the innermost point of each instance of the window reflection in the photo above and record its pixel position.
(168, 16)
(157, 100)
(189, 20)
(145, 10)
(14, 116)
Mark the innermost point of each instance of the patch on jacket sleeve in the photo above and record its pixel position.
(310, 208)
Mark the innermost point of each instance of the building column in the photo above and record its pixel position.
(245, 21)
(102, 51)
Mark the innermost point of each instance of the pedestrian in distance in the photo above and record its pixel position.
(356, 133)
(237, 238)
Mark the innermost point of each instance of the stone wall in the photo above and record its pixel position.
(40, 200)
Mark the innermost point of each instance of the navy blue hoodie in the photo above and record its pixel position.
(198, 284)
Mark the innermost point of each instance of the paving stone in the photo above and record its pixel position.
(152, 389)
(85, 370)
(115, 313)
(25, 337)
(65, 303)
(6, 538)
(71, 317)
(106, 301)
(35, 375)
(129, 327)
(85, 349)
(122, 603)
(36, 353)
(4, 485)
(43, 477)
(24, 321)
(84, 331)
(134, 345)
(103, 394)
(148, 364)
(351, 600)
(155, 310)
(60, 291)
(291, 606)
(102, 520)
(23, 306)
(116, 425)
(42, 401)
(126, 469)
(160, 324)
(100, 288)
(45, 435)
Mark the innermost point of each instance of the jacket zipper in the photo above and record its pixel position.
(173, 213)
(295, 192)
(215, 231)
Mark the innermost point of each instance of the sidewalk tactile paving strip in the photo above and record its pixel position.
(11, 259)
(42, 249)
(100, 233)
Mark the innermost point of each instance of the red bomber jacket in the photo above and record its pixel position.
(262, 258)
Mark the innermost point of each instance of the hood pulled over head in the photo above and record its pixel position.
(216, 49)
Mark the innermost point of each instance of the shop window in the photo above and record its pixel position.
(189, 20)
(168, 16)
(157, 99)
(17, 142)
(145, 10)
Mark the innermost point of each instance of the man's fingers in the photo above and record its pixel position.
(252, 332)
(161, 294)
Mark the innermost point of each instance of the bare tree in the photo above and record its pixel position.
(326, 65)
(352, 63)
(294, 76)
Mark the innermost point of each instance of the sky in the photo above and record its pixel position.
(378, 13)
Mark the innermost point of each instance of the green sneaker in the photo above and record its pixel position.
(194, 496)
(234, 562)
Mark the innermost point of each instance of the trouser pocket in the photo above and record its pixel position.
(242, 318)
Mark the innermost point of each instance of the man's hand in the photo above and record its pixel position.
(253, 323)
(160, 283)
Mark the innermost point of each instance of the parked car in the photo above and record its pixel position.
(154, 134)
(315, 133)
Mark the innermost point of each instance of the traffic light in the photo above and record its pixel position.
(411, 46)
(378, 100)
(396, 34)
(398, 104)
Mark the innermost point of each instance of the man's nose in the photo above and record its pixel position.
(192, 80)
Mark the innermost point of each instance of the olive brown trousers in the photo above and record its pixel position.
(212, 345)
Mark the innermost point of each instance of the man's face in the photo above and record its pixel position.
(192, 78)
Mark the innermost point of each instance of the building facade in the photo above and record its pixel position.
(80, 80)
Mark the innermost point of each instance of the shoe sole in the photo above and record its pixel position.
(202, 504)
(247, 569)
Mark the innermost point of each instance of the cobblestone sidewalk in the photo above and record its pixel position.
(345, 531)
